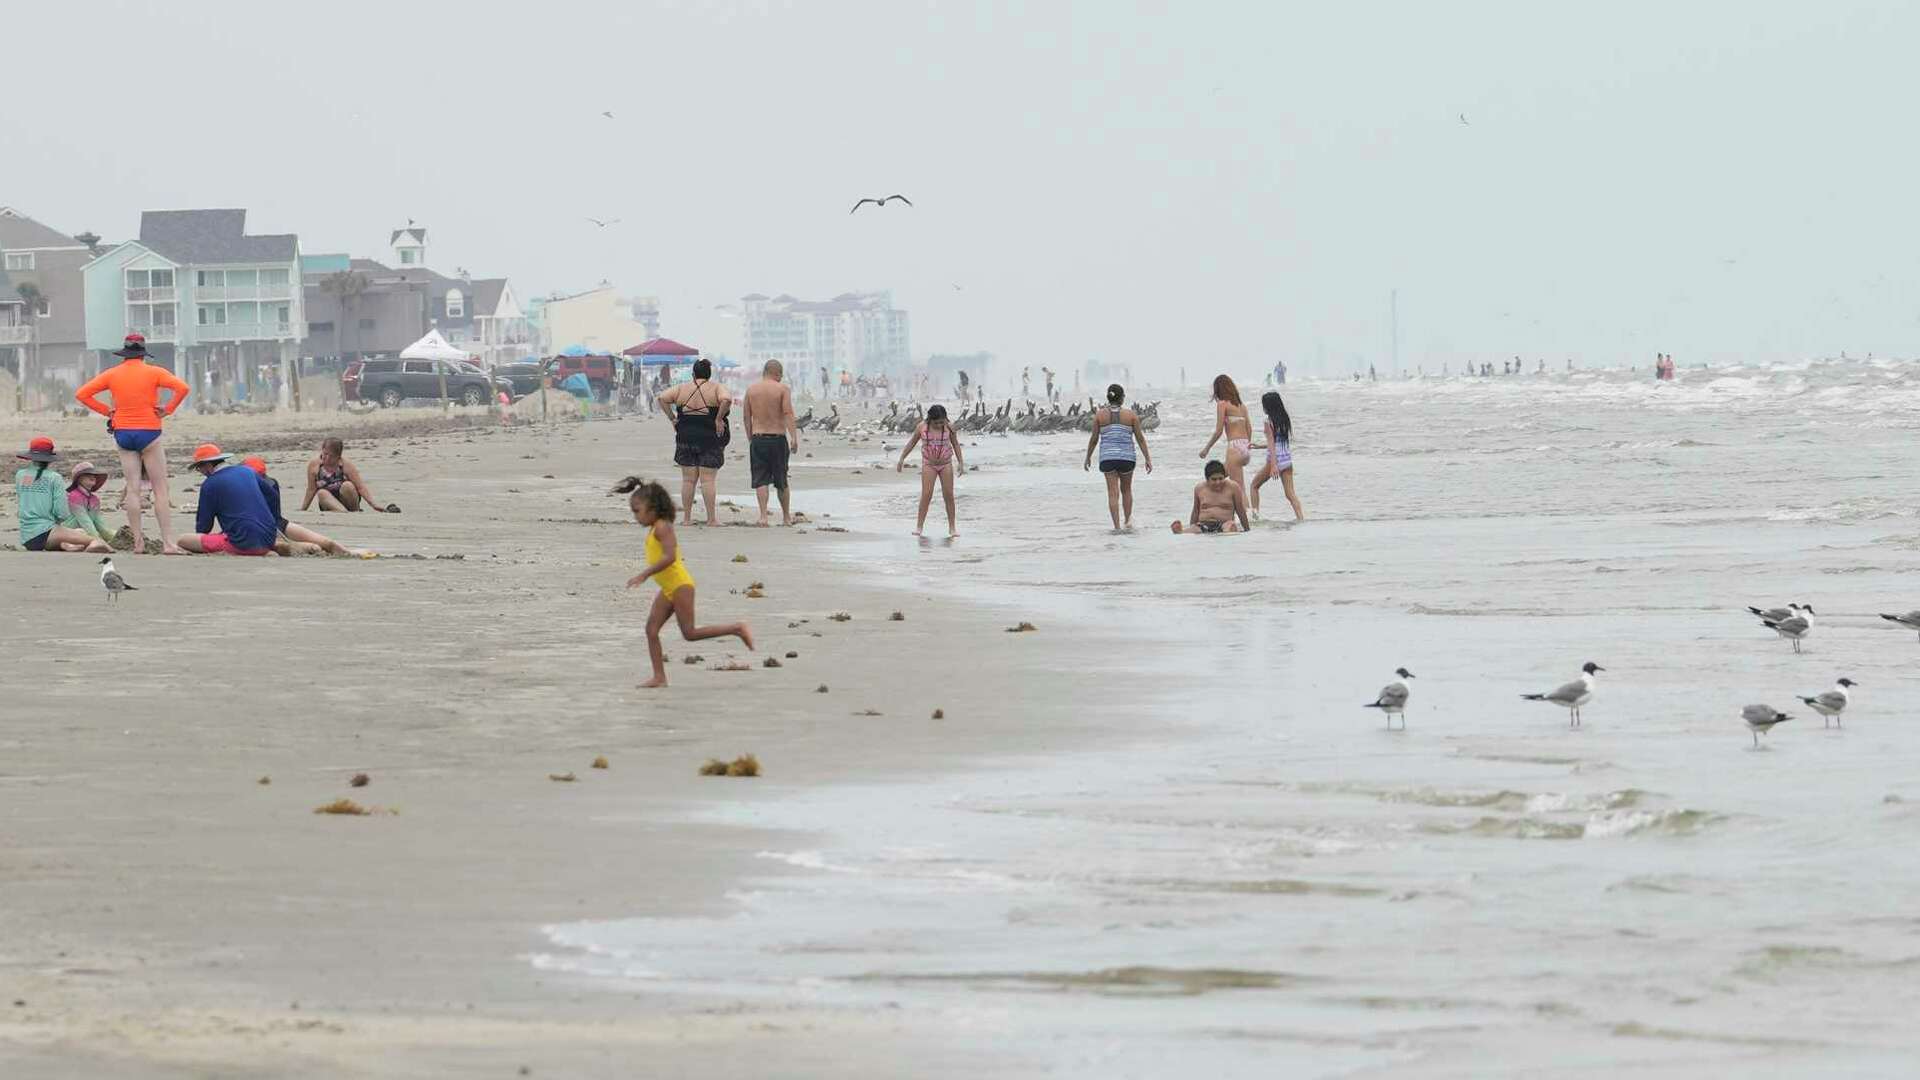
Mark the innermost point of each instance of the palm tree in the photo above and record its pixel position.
(31, 296)
(345, 286)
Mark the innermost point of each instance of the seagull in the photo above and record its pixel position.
(608, 115)
(1463, 120)
(604, 224)
(1573, 695)
(1761, 718)
(1393, 699)
(1832, 703)
(1776, 614)
(111, 580)
(1793, 628)
(1911, 620)
(881, 202)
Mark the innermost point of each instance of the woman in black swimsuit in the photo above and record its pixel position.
(700, 434)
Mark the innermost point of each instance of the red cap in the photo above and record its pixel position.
(136, 336)
(258, 465)
(41, 444)
(206, 453)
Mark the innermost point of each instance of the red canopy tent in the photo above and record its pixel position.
(661, 347)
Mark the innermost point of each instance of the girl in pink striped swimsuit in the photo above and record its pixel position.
(940, 458)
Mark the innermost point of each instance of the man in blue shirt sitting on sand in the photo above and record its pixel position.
(232, 497)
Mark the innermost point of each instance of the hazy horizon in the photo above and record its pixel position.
(1214, 188)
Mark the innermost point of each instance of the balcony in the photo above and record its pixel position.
(209, 293)
(157, 332)
(166, 295)
(15, 335)
(266, 331)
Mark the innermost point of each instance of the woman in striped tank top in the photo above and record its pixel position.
(1116, 430)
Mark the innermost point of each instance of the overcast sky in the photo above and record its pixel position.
(1212, 184)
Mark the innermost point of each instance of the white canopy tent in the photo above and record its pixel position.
(432, 347)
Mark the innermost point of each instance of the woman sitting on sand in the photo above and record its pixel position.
(653, 508)
(699, 418)
(1230, 419)
(46, 523)
(1279, 453)
(337, 483)
(1116, 430)
(940, 459)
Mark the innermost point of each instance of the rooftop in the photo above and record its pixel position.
(212, 237)
(18, 231)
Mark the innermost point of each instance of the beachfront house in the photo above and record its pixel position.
(42, 304)
(221, 307)
(360, 308)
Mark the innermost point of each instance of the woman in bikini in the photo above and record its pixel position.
(134, 419)
(1279, 453)
(1230, 419)
(337, 483)
(700, 434)
(940, 458)
(1116, 430)
(653, 508)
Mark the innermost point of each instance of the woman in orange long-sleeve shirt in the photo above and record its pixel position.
(134, 419)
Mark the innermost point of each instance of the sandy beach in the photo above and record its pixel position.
(168, 913)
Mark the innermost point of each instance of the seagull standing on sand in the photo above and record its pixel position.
(1573, 695)
(1393, 699)
(1761, 718)
(1911, 620)
(1832, 703)
(1794, 628)
(881, 202)
(111, 580)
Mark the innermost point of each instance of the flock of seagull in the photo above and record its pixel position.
(1793, 623)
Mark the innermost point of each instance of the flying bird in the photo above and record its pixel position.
(608, 115)
(1463, 119)
(1572, 695)
(111, 580)
(1393, 699)
(604, 224)
(1761, 718)
(881, 202)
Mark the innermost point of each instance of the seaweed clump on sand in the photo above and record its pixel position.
(343, 806)
(600, 763)
(898, 616)
(744, 765)
(840, 616)
(1022, 628)
(360, 780)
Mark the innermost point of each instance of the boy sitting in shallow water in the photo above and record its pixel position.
(1217, 502)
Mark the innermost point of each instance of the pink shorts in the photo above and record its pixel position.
(218, 544)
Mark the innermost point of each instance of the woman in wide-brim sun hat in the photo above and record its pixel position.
(134, 418)
(46, 524)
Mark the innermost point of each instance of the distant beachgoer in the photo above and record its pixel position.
(826, 383)
(1372, 375)
(337, 483)
(653, 508)
(700, 434)
(47, 521)
(1026, 382)
(235, 500)
(1280, 372)
(134, 419)
(940, 459)
(1116, 431)
(772, 437)
(1047, 374)
(293, 539)
(83, 501)
(1279, 453)
(1218, 506)
(963, 387)
(1230, 419)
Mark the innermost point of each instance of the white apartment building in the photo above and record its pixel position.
(858, 332)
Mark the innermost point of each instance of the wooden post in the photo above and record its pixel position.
(293, 373)
(441, 367)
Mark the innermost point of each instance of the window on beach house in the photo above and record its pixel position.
(456, 304)
(210, 278)
(19, 260)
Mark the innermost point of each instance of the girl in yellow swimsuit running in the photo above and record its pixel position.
(653, 508)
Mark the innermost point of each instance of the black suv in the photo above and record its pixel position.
(390, 382)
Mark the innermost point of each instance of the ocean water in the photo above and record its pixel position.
(1253, 877)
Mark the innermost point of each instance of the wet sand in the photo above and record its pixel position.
(168, 914)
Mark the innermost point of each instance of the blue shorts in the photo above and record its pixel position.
(135, 441)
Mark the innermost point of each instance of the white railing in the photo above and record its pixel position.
(266, 331)
(158, 331)
(161, 294)
(15, 335)
(242, 292)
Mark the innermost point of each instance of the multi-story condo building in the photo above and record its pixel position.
(855, 332)
(217, 304)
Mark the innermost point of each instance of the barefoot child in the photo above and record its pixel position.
(1217, 503)
(940, 458)
(653, 508)
(1279, 453)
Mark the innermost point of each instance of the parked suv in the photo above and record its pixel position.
(600, 371)
(390, 382)
(522, 379)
